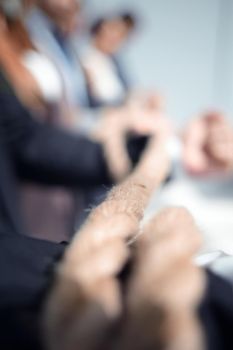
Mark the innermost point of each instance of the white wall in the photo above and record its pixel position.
(223, 87)
(184, 49)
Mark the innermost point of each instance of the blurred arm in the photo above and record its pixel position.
(46, 154)
(86, 292)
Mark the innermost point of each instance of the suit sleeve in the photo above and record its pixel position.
(47, 154)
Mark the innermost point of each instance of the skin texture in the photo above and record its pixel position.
(111, 36)
(86, 286)
(113, 129)
(165, 287)
(208, 145)
(154, 305)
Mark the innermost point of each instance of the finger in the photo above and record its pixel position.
(104, 262)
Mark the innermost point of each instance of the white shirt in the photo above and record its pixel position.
(104, 82)
(45, 74)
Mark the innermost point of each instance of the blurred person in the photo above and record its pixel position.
(41, 153)
(53, 28)
(107, 79)
(107, 82)
(33, 76)
(38, 84)
(52, 25)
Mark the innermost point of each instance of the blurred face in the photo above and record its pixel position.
(64, 13)
(59, 6)
(112, 35)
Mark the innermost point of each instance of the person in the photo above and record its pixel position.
(52, 27)
(107, 82)
(44, 155)
(30, 150)
(33, 76)
(38, 85)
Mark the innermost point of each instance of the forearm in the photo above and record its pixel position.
(55, 157)
(86, 291)
(47, 154)
(80, 275)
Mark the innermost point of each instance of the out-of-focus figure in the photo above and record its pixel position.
(107, 81)
(52, 27)
(47, 77)
(38, 84)
(33, 76)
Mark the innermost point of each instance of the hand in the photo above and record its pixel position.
(220, 143)
(165, 288)
(147, 100)
(146, 121)
(208, 145)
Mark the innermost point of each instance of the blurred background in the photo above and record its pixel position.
(185, 49)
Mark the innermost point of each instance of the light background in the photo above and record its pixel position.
(184, 49)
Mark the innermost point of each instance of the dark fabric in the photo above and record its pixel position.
(135, 146)
(50, 213)
(47, 154)
(216, 313)
(40, 153)
(10, 220)
(26, 268)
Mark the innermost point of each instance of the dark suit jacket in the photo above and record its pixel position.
(40, 153)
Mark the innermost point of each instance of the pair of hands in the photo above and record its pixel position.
(142, 114)
(117, 124)
(89, 302)
(207, 140)
(92, 308)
